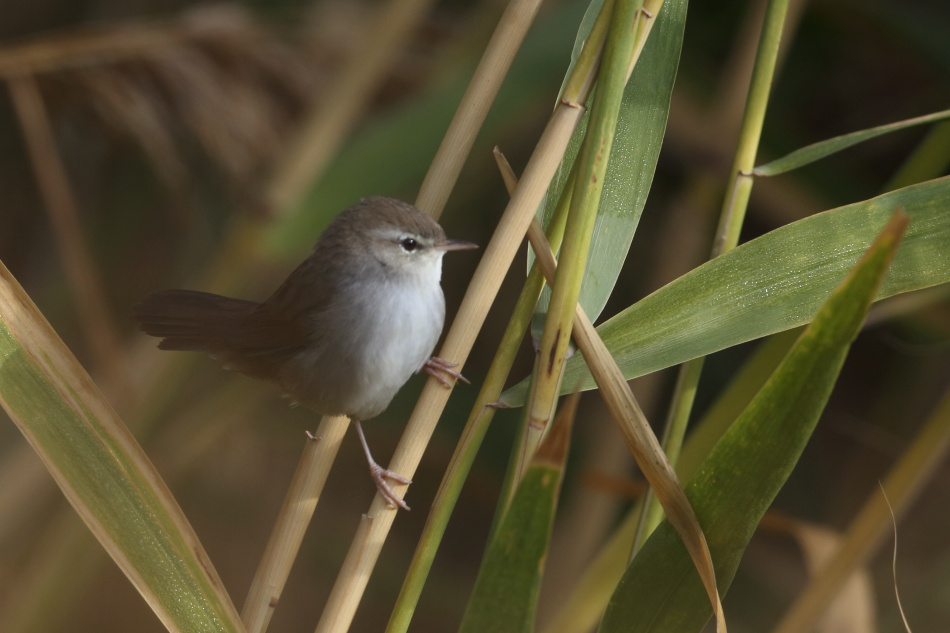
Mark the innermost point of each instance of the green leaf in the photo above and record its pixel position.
(505, 595)
(770, 284)
(660, 592)
(640, 128)
(103, 472)
(817, 151)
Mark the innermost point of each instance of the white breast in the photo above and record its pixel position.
(409, 319)
(391, 328)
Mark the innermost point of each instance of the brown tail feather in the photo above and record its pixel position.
(191, 320)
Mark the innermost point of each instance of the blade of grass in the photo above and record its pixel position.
(103, 471)
(816, 151)
(738, 480)
(66, 543)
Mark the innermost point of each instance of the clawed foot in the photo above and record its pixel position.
(438, 367)
(380, 475)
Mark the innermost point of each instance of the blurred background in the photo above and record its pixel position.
(156, 144)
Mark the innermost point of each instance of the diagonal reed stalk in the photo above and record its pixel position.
(474, 432)
(480, 94)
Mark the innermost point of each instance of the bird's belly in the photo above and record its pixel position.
(358, 373)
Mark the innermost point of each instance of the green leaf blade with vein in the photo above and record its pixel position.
(660, 591)
(817, 151)
(504, 599)
(641, 126)
(771, 284)
(103, 473)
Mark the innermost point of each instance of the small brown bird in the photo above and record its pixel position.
(345, 330)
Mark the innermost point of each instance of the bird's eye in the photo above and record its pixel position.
(408, 244)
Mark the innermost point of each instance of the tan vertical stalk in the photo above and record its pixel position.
(63, 211)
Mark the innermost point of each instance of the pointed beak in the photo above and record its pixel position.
(455, 245)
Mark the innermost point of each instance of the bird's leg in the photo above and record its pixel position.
(438, 367)
(380, 474)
